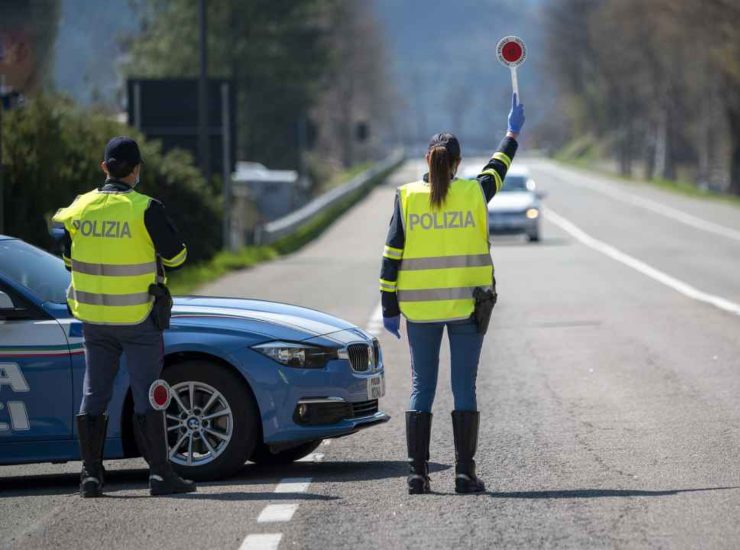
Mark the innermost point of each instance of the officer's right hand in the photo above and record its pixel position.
(516, 115)
(392, 325)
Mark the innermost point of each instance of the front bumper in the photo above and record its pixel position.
(512, 223)
(281, 390)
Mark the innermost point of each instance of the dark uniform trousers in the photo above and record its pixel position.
(143, 347)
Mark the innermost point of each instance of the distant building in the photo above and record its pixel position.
(274, 192)
(261, 195)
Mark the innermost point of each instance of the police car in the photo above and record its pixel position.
(251, 380)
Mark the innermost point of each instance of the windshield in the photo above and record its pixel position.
(40, 272)
(515, 183)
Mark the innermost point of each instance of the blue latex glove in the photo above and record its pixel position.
(392, 325)
(516, 115)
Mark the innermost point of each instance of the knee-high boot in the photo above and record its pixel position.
(91, 433)
(162, 478)
(418, 432)
(465, 430)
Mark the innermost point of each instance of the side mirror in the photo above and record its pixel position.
(8, 310)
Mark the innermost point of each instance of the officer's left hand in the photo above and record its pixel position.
(516, 115)
(393, 325)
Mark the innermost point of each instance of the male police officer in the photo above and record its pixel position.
(116, 243)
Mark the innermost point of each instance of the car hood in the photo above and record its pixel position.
(271, 320)
(512, 202)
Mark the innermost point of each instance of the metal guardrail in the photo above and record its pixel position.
(275, 230)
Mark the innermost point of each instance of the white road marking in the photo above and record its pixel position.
(375, 324)
(655, 206)
(638, 265)
(313, 457)
(293, 485)
(277, 512)
(266, 541)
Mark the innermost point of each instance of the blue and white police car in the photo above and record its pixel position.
(251, 380)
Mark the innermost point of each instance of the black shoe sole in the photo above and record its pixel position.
(90, 490)
(467, 488)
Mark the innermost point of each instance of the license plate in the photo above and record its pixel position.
(375, 387)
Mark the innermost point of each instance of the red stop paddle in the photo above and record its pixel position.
(512, 52)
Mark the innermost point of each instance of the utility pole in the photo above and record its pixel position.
(204, 149)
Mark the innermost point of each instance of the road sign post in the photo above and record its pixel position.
(512, 52)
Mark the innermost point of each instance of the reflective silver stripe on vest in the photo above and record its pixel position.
(444, 262)
(113, 270)
(434, 294)
(92, 298)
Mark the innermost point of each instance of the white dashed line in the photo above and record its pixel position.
(313, 457)
(267, 541)
(293, 485)
(638, 265)
(375, 324)
(277, 512)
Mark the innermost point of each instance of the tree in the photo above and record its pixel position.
(52, 151)
(275, 50)
(630, 76)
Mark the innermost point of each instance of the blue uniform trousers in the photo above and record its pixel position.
(104, 345)
(425, 340)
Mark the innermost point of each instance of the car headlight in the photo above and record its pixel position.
(533, 213)
(292, 354)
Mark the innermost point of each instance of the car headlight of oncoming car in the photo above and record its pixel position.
(533, 213)
(293, 354)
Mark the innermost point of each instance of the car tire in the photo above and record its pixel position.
(243, 419)
(263, 456)
(534, 237)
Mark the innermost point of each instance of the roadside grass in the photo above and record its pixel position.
(345, 176)
(681, 187)
(187, 279)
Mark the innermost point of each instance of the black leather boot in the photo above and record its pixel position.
(91, 433)
(418, 432)
(162, 478)
(465, 430)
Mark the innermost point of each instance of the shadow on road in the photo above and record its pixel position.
(230, 496)
(55, 484)
(336, 472)
(601, 493)
(251, 474)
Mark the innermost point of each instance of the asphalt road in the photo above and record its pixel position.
(608, 388)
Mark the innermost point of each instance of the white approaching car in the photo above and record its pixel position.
(516, 208)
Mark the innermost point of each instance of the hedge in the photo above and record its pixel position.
(52, 151)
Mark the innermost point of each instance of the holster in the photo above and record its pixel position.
(485, 300)
(162, 310)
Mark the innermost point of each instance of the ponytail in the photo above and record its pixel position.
(440, 170)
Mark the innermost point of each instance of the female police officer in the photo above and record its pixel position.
(436, 255)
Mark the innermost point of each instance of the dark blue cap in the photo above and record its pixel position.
(121, 150)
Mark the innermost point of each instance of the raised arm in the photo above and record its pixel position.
(492, 176)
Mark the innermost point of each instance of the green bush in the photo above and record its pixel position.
(52, 151)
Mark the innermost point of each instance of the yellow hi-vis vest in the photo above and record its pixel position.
(113, 258)
(446, 253)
